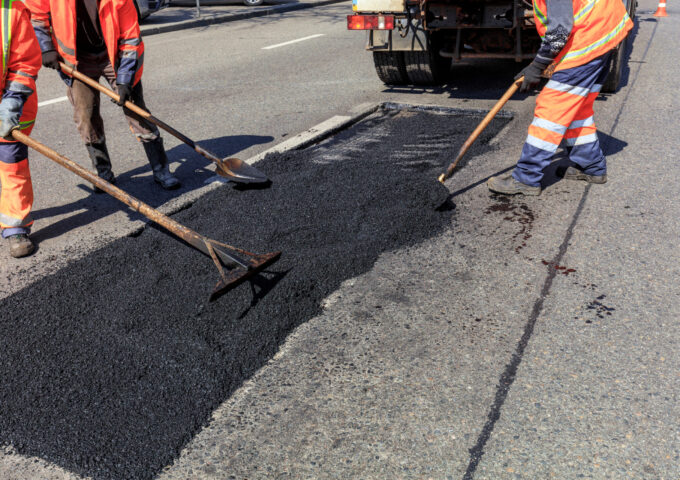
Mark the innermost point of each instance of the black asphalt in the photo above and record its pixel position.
(112, 364)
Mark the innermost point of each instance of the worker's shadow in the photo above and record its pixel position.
(193, 170)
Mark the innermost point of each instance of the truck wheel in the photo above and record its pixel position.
(611, 85)
(390, 67)
(426, 67)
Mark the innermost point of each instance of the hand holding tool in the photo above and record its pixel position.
(50, 59)
(124, 93)
(234, 169)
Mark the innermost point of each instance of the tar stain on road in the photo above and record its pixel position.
(110, 366)
(516, 212)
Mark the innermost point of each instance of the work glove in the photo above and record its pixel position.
(124, 92)
(10, 113)
(532, 75)
(50, 59)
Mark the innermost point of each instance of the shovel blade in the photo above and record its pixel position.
(238, 275)
(239, 171)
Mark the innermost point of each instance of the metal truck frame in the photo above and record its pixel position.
(416, 41)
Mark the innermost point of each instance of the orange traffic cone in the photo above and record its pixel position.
(661, 11)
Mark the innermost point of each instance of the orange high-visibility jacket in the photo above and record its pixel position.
(55, 24)
(599, 26)
(21, 58)
(20, 50)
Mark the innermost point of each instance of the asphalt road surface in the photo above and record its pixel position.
(530, 338)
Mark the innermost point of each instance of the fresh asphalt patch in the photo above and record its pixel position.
(111, 365)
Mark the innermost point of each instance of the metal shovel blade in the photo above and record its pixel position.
(238, 275)
(239, 171)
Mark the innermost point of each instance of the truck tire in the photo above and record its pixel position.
(426, 67)
(390, 67)
(611, 85)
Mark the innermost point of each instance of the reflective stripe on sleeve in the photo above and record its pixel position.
(18, 87)
(130, 41)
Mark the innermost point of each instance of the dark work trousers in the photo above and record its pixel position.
(86, 102)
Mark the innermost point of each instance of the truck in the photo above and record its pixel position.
(415, 42)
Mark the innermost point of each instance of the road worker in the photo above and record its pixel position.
(100, 38)
(578, 37)
(18, 108)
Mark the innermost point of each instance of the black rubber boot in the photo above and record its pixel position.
(159, 164)
(507, 185)
(101, 162)
(575, 173)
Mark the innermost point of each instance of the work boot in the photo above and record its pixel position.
(101, 162)
(159, 164)
(507, 185)
(575, 173)
(20, 245)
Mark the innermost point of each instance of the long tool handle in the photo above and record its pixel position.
(140, 111)
(195, 239)
(480, 128)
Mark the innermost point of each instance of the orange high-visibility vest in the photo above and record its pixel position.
(20, 55)
(599, 26)
(120, 29)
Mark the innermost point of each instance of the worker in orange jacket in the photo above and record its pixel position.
(578, 37)
(18, 108)
(100, 38)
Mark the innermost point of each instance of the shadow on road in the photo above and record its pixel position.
(192, 169)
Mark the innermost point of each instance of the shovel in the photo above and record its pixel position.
(241, 264)
(234, 169)
(480, 128)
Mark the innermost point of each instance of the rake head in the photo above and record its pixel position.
(234, 277)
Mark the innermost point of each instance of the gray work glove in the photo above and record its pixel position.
(10, 113)
(124, 92)
(532, 75)
(50, 59)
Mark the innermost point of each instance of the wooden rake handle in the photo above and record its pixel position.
(480, 128)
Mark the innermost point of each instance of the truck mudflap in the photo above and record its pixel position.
(408, 36)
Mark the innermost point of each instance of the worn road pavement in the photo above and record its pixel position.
(536, 338)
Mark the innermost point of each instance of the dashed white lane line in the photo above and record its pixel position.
(293, 41)
(54, 100)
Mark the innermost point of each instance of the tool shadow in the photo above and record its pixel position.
(193, 170)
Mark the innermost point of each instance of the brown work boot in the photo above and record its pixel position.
(506, 184)
(20, 245)
(575, 173)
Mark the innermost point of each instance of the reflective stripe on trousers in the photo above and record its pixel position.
(16, 197)
(564, 116)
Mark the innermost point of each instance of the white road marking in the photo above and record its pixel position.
(54, 100)
(293, 41)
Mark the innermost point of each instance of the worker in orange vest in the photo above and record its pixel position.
(578, 37)
(100, 38)
(18, 108)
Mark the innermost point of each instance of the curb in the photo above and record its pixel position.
(230, 17)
